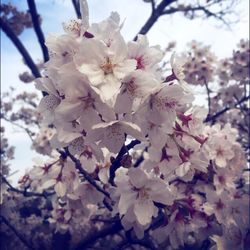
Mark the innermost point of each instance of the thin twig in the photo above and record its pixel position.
(86, 174)
(154, 16)
(26, 56)
(208, 97)
(29, 133)
(219, 15)
(213, 117)
(37, 27)
(24, 192)
(18, 235)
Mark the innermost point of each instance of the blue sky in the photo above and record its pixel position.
(135, 13)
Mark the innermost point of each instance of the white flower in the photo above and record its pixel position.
(104, 66)
(145, 56)
(163, 104)
(139, 190)
(50, 101)
(134, 89)
(219, 145)
(112, 134)
(177, 63)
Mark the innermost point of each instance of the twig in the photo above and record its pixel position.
(141, 158)
(117, 162)
(37, 27)
(29, 133)
(86, 174)
(19, 236)
(24, 192)
(77, 8)
(26, 56)
(205, 9)
(158, 11)
(153, 6)
(208, 97)
(212, 118)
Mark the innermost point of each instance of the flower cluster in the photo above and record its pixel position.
(17, 20)
(131, 148)
(200, 64)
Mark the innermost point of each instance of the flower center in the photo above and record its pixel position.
(107, 67)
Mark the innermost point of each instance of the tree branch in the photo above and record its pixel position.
(208, 97)
(24, 192)
(158, 11)
(86, 174)
(27, 58)
(153, 5)
(213, 117)
(220, 15)
(29, 132)
(37, 27)
(18, 235)
(117, 162)
(77, 8)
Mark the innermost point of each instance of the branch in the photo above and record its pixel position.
(24, 192)
(77, 8)
(86, 175)
(29, 132)
(205, 9)
(158, 11)
(117, 162)
(213, 118)
(37, 27)
(208, 97)
(153, 6)
(93, 237)
(18, 235)
(27, 58)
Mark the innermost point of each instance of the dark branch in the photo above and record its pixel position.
(191, 11)
(158, 11)
(86, 174)
(117, 162)
(77, 8)
(27, 58)
(37, 27)
(208, 97)
(93, 237)
(153, 6)
(213, 118)
(24, 192)
(18, 235)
